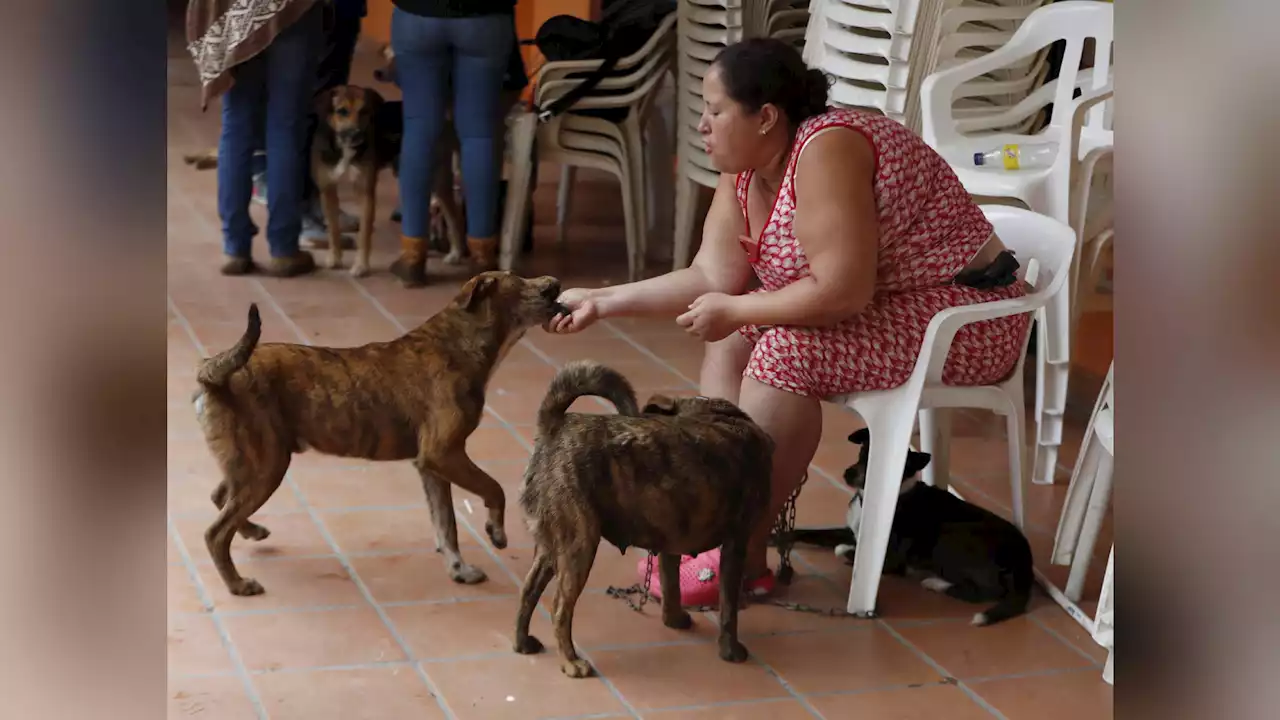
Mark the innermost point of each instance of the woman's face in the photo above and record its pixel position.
(730, 135)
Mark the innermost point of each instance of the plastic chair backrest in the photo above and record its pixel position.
(636, 58)
(1072, 21)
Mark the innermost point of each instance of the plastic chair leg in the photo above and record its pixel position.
(935, 439)
(1015, 430)
(564, 195)
(890, 437)
(631, 221)
(686, 208)
(1099, 498)
(1067, 536)
(524, 132)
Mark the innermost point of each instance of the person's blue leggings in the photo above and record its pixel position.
(274, 87)
(470, 55)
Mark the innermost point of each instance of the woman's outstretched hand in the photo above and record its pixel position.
(583, 312)
(712, 317)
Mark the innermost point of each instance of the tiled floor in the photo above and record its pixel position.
(359, 620)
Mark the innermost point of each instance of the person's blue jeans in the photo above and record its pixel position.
(469, 55)
(274, 88)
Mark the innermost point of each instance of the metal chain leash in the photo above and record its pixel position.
(783, 529)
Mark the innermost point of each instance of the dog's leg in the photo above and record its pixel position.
(464, 473)
(453, 228)
(572, 569)
(673, 615)
(535, 583)
(364, 241)
(248, 531)
(733, 556)
(329, 204)
(440, 503)
(245, 496)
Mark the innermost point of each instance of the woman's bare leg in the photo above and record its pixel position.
(722, 366)
(795, 424)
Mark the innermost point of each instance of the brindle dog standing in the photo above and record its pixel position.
(417, 397)
(686, 476)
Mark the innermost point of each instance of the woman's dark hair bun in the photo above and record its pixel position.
(767, 71)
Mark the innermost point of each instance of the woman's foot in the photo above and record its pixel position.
(411, 266)
(700, 579)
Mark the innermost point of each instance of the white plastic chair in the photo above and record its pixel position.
(1045, 190)
(576, 140)
(1089, 494)
(1043, 247)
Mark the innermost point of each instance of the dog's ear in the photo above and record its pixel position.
(322, 104)
(916, 461)
(373, 99)
(475, 290)
(659, 405)
(860, 436)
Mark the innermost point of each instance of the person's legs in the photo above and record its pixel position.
(483, 47)
(722, 366)
(241, 115)
(422, 64)
(291, 61)
(795, 424)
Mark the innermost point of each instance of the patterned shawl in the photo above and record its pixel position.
(224, 33)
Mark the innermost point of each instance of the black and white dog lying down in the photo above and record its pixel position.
(961, 549)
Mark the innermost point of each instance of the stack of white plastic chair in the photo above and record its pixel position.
(574, 139)
(1079, 126)
(786, 20)
(1044, 247)
(1088, 498)
(705, 28)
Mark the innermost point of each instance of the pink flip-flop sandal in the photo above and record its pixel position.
(700, 579)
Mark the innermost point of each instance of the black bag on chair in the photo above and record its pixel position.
(624, 28)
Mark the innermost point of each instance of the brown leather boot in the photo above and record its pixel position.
(237, 265)
(300, 263)
(411, 266)
(484, 252)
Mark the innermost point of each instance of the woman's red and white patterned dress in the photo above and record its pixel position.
(929, 230)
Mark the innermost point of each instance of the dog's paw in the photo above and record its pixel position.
(466, 574)
(453, 258)
(733, 651)
(255, 532)
(576, 668)
(246, 587)
(935, 584)
(359, 270)
(530, 646)
(497, 535)
(683, 621)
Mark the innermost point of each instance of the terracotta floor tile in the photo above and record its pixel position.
(384, 485)
(599, 347)
(759, 710)
(209, 698)
(358, 531)
(1011, 647)
(302, 583)
(373, 694)
(922, 703)
(604, 621)
(830, 662)
(195, 647)
(422, 576)
(192, 497)
(1064, 696)
(683, 675)
(448, 630)
(292, 535)
(903, 600)
(806, 589)
(309, 639)
(518, 687)
(487, 444)
(1060, 622)
(518, 406)
(609, 569)
(183, 596)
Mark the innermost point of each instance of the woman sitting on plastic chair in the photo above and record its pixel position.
(833, 239)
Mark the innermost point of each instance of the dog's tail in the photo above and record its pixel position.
(579, 378)
(215, 371)
(1017, 589)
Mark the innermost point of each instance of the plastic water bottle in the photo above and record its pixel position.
(1015, 156)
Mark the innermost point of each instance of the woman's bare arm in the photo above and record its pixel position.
(720, 266)
(837, 225)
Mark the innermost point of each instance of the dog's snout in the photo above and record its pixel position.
(552, 291)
